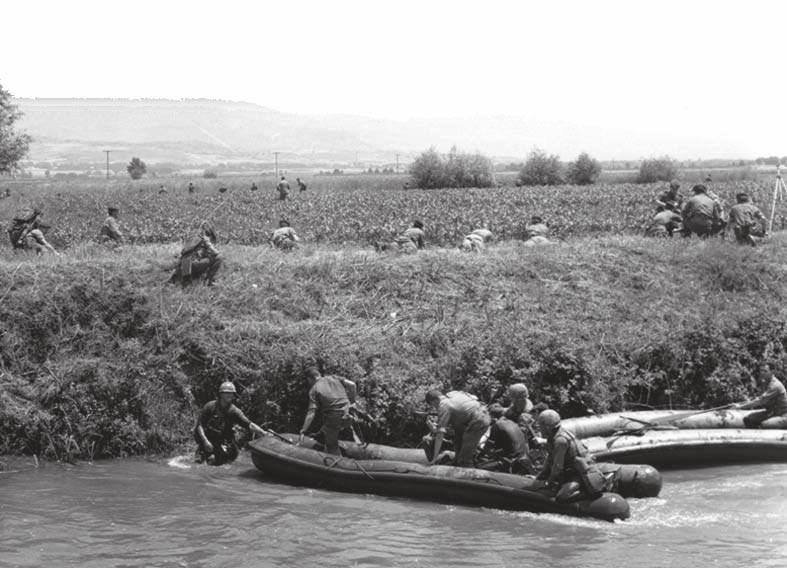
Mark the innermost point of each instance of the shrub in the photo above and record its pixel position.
(136, 168)
(657, 169)
(584, 171)
(210, 174)
(541, 169)
(430, 170)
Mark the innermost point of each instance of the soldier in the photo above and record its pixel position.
(506, 448)
(28, 232)
(468, 418)
(412, 240)
(283, 187)
(670, 199)
(192, 189)
(747, 221)
(301, 185)
(284, 238)
(536, 232)
(110, 230)
(772, 404)
(213, 431)
(664, 223)
(702, 215)
(332, 397)
(254, 186)
(199, 259)
(477, 240)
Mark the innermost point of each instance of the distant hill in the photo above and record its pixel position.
(200, 131)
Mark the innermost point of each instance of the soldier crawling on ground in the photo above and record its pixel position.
(477, 240)
(665, 222)
(27, 232)
(284, 238)
(412, 240)
(199, 259)
(536, 232)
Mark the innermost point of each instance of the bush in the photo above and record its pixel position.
(584, 171)
(430, 170)
(210, 174)
(657, 169)
(541, 169)
(136, 168)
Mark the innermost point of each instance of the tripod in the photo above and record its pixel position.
(779, 192)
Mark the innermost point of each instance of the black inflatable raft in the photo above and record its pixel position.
(281, 459)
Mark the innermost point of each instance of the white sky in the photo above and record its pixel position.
(674, 68)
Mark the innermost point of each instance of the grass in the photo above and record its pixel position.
(98, 357)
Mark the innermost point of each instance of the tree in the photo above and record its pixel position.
(430, 170)
(13, 145)
(657, 169)
(584, 171)
(136, 168)
(541, 169)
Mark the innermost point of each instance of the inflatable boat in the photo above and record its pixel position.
(609, 424)
(690, 447)
(280, 458)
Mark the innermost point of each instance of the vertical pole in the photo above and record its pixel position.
(107, 151)
(776, 194)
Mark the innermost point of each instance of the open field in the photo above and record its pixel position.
(338, 210)
(98, 357)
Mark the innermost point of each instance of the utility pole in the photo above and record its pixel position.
(276, 158)
(107, 151)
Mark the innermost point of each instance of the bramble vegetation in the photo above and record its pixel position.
(99, 358)
(583, 171)
(13, 145)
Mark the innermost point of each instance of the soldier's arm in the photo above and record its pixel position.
(560, 448)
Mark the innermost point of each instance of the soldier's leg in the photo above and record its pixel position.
(754, 419)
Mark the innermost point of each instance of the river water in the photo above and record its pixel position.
(171, 513)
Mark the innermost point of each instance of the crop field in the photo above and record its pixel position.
(337, 210)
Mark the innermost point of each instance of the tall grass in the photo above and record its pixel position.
(100, 358)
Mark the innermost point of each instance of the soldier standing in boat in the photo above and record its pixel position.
(467, 417)
(333, 398)
(773, 402)
(214, 433)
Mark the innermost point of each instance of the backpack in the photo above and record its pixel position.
(591, 478)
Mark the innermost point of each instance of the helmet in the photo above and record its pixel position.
(227, 386)
(548, 420)
(517, 390)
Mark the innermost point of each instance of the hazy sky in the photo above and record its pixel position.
(669, 69)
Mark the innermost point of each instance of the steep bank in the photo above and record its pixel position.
(100, 358)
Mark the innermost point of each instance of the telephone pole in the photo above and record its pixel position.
(107, 151)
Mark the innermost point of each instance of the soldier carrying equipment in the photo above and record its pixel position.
(199, 258)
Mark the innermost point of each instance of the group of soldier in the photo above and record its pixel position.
(703, 215)
(520, 438)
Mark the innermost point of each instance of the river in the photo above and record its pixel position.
(171, 513)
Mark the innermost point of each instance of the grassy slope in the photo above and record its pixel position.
(100, 358)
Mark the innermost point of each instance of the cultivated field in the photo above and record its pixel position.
(337, 210)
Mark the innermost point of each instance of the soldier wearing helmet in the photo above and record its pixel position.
(521, 405)
(467, 417)
(213, 432)
(562, 450)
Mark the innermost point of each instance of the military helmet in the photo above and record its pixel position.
(227, 386)
(548, 420)
(517, 391)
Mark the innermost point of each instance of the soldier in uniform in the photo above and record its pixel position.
(199, 259)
